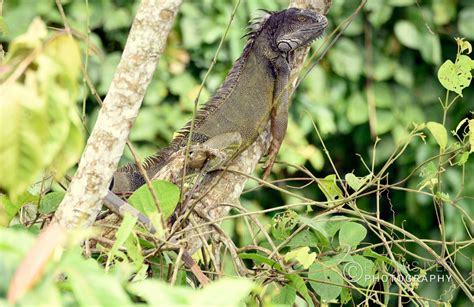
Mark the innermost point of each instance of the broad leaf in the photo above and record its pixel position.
(361, 270)
(286, 296)
(50, 202)
(456, 76)
(439, 132)
(302, 255)
(407, 34)
(122, 234)
(300, 286)
(351, 234)
(326, 281)
(355, 182)
(283, 224)
(167, 193)
(23, 133)
(329, 187)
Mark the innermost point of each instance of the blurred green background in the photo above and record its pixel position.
(390, 53)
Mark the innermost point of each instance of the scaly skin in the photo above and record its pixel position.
(254, 93)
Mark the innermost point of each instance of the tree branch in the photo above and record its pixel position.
(145, 44)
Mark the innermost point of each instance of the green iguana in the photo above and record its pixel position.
(254, 93)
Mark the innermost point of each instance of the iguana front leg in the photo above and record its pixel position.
(279, 114)
(215, 151)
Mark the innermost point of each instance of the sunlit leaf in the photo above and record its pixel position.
(302, 255)
(464, 45)
(439, 133)
(355, 182)
(24, 128)
(456, 76)
(13, 206)
(329, 187)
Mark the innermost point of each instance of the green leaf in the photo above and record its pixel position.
(345, 296)
(90, 285)
(302, 255)
(158, 293)
(370, 253)
(304, 238)
(334, 224)
(287, 296)
(50, 202)
(316, 224)
(429, 173)
(3, 27)
(355, 182)
(134, 251)
(326, 281)
(24, 128)
(357, 112)
(456, 76)
(466, 22)
(300, 286)
(351, 234)
(329, 187)
(13, 206)
(444, 11)
(283, 223)
(380, 12)
(401, 2)
(122, 234)
(338, 259)
(71, 149)
(167, 193)
(361, 270)
(407, 34)
(430, 47)
(439, 132)
(224, 292)
(346, 60)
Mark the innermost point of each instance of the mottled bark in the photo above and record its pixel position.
(145, 44)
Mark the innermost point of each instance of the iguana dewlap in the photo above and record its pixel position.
(254, 92)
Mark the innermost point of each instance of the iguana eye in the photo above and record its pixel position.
(301, 18)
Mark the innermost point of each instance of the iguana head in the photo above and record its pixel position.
(293, 28)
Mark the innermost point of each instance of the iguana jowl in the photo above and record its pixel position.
(254, 92)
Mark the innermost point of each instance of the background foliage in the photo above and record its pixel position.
(378, 80)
